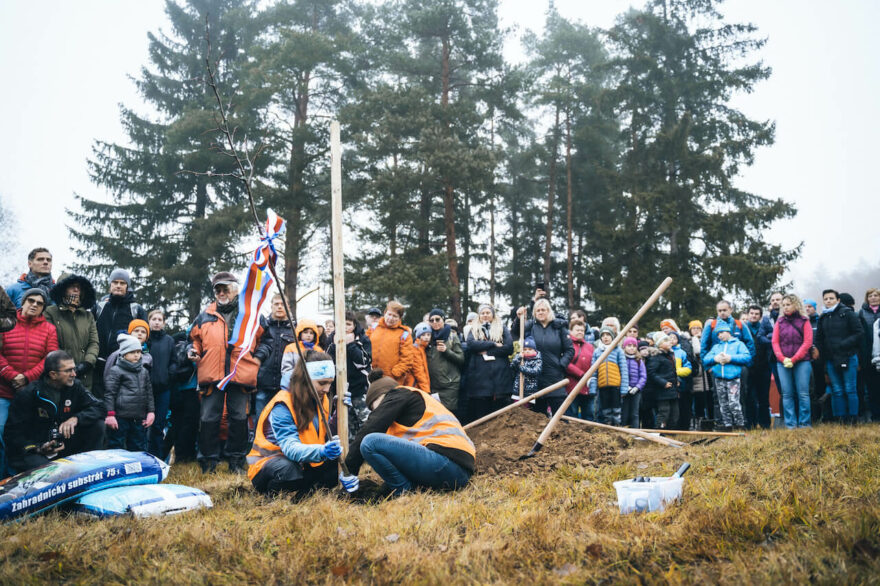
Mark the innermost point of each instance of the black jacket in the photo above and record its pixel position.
(557, 350)
(839, 336)
(661, 370)
(161, 346)
(113, 314)
(276, 336)
(868, 318)
(358, 361)
(488, 378)
(32, 415)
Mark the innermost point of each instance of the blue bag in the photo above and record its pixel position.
(146, 500)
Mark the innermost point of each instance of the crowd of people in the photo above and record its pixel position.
(79, 372)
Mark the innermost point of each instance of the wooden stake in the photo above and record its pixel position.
(520, 403)
(636, 432)
(545, 435)
(338, 284)
(522, 337)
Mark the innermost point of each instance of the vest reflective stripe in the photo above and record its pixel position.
(264, 449)
(437, 426)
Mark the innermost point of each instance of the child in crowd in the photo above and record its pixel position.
(140, 330)
(611, 378)
(727, 357)
(638, 376)
(663, 383)
(307, 334)
(528, 362)
(128, 397)
(419, 377)
(583, 404)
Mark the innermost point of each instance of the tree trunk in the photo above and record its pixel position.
(197, 260)
(449, 199)
(492, 250)
(551, 195)
(569, 252)
(293, 243)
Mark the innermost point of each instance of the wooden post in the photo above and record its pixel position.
(636, 432)
(338, 284)
(545, 435)
(519, 403)
(522, 337)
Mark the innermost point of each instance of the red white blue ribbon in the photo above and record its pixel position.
(254, 293)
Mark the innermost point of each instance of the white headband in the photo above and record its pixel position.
(321, 369)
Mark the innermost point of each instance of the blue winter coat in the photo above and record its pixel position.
(530, 368)
(710, 338)
(739, 357)
(617, 357)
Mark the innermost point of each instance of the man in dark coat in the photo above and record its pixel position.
(53, 416)
(112, 315)
(838, 340)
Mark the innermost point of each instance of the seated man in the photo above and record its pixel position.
(53, 416)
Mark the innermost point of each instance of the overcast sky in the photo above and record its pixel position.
(65, 68)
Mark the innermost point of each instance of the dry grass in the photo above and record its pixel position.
(772, 507)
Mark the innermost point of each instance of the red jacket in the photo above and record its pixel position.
(579, 365)
(24, 349)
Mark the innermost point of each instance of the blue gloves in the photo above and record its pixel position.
(349, 483)
(331, 450)
(346, 399)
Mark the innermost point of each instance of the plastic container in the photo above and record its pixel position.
(652, 494)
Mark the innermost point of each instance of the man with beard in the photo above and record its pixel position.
(113, 313)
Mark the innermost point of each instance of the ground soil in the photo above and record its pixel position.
(500, 443)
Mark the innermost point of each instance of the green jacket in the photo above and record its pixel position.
(77, 335)
(444, 369)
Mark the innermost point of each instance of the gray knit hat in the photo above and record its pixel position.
(128, 343)
(120, 275)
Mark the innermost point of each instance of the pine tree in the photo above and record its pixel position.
(169, 222)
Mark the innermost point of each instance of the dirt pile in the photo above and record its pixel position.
(501, 441)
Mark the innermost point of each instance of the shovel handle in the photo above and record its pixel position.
(684, 468)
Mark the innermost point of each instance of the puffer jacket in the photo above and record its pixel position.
(839, 336)
(210, 336)
(277, 335)
(739, 357)
(128, 390)
(530, 369)
(419, 376)
(291, 354)
(161, 347)
(868, 317)
(638, 374)
(660, 367)
(792, 338)
(392, 350)
(24, 351)
(77, 331)
(613, 368)
(579, 365)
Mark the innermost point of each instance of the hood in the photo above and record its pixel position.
(87, 295)
(652, 351)
(309, 324)
(399, 326)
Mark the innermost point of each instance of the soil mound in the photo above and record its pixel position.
(501, 441)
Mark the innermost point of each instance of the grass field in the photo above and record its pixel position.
(771, 507)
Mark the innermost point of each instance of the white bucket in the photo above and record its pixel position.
(652, 495)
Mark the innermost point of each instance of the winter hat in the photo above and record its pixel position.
(722, 327)
(529, 342)
(421, 328)
(811, 302)
(471, 316)
(436, 311)
(630, 342)
(127, 344)
(452, 323)
(659, 338)
(120, 275)
(847, 299)
(36, 291)
(486, 306)
(374, 311)
(695, 324)
(138, 323)
(379, 385)
(223, 278)
(606, 330)
(643, 344)
(669, 322)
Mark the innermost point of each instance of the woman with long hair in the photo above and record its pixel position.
(792, 340)
(553, 342)
(291, 449)
(489, 344)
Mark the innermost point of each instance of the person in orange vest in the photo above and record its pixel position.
(291, 449)
(411, 440)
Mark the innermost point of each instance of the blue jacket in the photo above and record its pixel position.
(531, 368)
(683, 366)
(617, 357)
(17, 289)
(286, 436)
(710, 338)
(739, 357)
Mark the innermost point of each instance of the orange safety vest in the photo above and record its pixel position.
(264, 450)
(437, 426)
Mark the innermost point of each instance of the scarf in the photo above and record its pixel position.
(441, 334)
(229, 311)
(43, 282)
(832, 308)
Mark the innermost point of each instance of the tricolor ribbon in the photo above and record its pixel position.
(254, 292)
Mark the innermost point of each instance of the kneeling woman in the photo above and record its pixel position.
(291, 449)
(411, 439)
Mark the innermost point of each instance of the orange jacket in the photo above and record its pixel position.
(393, 350)
(419, 376)
(210, 340)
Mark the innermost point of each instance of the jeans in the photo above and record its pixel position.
(156, 434)
(403, 464)
(794, 386)
(131, 435)
(4, 413)
(844, 396)
(582, 407)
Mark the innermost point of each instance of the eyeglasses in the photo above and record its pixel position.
(36, 302)
(436, 319)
